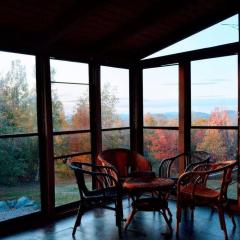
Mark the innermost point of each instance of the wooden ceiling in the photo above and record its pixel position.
(116, 32)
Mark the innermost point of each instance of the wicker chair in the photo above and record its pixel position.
(193, 189)
(127, 163)
(169, 167)
(109, 190)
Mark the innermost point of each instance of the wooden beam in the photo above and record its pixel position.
(218, 51)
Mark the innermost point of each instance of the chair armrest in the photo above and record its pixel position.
(191, 166)
(76, 166)
(194, 178)
(107, 167)
(165, 166)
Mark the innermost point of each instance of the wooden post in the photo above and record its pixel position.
(44, 107)
(136, 108)
(95, 110)
(184, 111)
(238, 182)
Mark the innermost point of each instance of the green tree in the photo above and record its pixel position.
(59, 121)
(109, 100)
(18, 156)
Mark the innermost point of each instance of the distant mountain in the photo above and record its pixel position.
(232, 114)
(124, 117)
(197, 115)
(171, 115)
(174, 115)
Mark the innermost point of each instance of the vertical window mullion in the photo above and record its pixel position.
(184, 109)
(136, 108)
(45, 134)
(238, 189)
(95, 110)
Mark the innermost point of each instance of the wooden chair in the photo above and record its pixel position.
(168, 167)
(109, 190)
(127, 163)
(193, 189)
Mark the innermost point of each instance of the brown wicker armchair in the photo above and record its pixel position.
(127, 163)
(109, 190)
(191, 160)
(194, 189)
(168, 167)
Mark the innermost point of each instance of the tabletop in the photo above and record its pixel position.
(148, 183)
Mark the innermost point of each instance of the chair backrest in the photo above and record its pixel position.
(226, 167)
(124, 160)
(80, 174)
(119, 158)
(194, 158)
(105, 177)
(139, 163)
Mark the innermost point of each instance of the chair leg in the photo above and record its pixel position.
(192, 213)
(222, 221)
(169, 213)
(167, 220)
(129, 219)
(233, 220)
(78, 220)
(185, 210)
(178, 218)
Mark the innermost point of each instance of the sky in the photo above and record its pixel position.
(214, 81)
(223, 32)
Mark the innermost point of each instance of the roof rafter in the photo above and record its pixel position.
(150, 16)
(75, 15)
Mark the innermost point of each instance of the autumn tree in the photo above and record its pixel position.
(81, 121)
(222, 144)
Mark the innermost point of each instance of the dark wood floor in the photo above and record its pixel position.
(100, 224)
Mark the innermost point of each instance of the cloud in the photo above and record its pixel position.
(168, 84)
(214, 81)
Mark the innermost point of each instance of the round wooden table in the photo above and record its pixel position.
(137, 186)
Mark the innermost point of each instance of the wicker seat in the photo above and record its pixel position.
(193, 189)
(109, 190)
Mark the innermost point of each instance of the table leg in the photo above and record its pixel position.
(129, 219)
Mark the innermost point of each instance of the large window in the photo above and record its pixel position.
(161, 113)
(215, 109)
(19, 151)
(71, 124)
(115, 107)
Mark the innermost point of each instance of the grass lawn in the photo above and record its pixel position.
(31, 190)
(66, 191)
